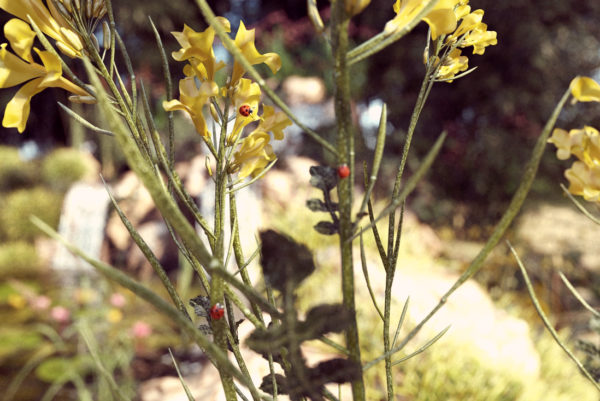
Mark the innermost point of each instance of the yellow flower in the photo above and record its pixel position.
(565, 142)
(452, 64)
(480, 38)
(254, 154)
(114, 315)
(272, 121)
(584, 181)
(192, 100)
(441, 19)
(245, 92)
(15, 70)
(17, 301)
(244, 40)
(475, 33)
(50, 22)
(197, 49)
(585, 89)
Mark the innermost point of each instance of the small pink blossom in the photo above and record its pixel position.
(141, 329)
(41, 302)
(117, 300)
(60, 314)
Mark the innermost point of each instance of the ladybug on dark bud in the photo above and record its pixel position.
(245, 110)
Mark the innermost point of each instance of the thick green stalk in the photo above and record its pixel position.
(217, 285)
(345, 151)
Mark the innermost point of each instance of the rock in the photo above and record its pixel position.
(563, 230)
(298, 90)
(157, 237)
(489, 333)
(82, 223)
(135, 201)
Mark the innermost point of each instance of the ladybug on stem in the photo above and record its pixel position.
(217, 311)
(343, 171)
(245, 110)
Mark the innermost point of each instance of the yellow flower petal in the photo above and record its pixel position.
(480, 38)
(274, 122)
(441, 19)
(244, 40)
(192, 100)
(20, 36)
(561, 139)
(42, 17)
(254, 154)
(14, 71)
(452, 64)
(585, 89)
(197, 48)
(18, 108)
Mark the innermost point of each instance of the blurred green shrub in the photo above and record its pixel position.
(14, 171)
(18, 259)
(445, 373)
(17, 206)
(64, 166)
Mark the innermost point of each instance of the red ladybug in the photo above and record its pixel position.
(245, 110)
(343, 171)
(217, 311)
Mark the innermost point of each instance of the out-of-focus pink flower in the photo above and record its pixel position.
(60, 314)
(117, 300)
(40, 303)
(141, 329)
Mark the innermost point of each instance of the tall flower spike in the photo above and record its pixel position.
(50, 22)
(15, 70)
(244, 40)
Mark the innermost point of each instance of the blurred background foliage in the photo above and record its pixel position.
(492, 116)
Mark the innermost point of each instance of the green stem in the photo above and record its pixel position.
(345, 152)
(503, 224)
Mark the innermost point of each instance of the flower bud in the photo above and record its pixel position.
(82, 99)
(354, 7)
(207, 165)
(105, 35)
(214, 114)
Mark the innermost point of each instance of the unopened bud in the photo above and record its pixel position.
(214, 114)
(95, 41)
(105, 35)
(67, 4)
(63, 9)
(88, 9)
(99, 8)
(82, 99)
(207, 165)
(77, 5)
(354, 7)
(66, 50)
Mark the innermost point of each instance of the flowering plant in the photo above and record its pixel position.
(222, 113)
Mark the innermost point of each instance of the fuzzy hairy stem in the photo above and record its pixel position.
(345, 150)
